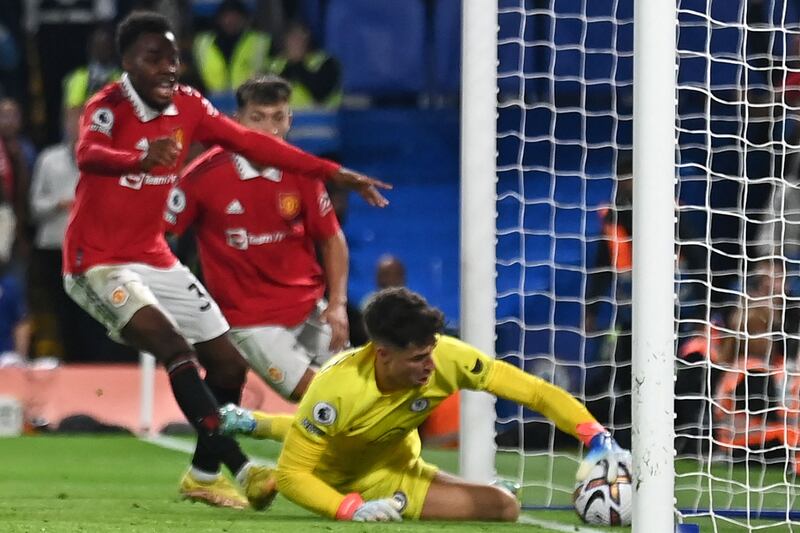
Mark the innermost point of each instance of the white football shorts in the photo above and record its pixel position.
(112, 294)
(280, 354)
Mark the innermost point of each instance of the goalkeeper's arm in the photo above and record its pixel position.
(555, 403)
(296, 481)
(569, 415)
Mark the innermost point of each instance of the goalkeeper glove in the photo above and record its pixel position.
(356, 509)
(603, 447)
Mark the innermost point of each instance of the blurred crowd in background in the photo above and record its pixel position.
(54, 54)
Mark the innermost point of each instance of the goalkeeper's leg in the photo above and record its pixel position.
(452, 498)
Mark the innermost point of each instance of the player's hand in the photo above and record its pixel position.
(365, 186)
(161, 152)
(385, 510)
(335, 315)
(603, 447)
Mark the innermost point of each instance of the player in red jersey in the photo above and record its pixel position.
(257, 228)
(133, 140)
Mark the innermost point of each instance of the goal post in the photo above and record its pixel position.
(477, 240)
(654, 97)
(675, 314)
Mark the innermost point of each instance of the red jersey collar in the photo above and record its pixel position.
(247, 171)
(144, 112)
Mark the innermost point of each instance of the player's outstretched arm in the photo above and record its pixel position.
(268, 150)
(297, 482)
(366, 187)
(564, 410)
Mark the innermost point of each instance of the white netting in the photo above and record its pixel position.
(565, 117)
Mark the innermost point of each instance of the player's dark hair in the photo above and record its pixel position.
(263, 90)
(400, 317)
(139, 23)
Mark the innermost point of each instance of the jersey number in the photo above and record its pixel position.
(200, 294)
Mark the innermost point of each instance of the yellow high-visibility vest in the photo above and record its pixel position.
(250, 56)
(76, 86)
(301, 95)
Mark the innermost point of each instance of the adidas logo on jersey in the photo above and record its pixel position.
(234, 208)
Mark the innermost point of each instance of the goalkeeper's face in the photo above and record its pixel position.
(410, 367)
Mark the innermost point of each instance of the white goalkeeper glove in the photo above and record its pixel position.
(385, 510)
(603, 447)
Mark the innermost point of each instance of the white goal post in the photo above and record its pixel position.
(654, 143)
(478, 198)
(654, 101)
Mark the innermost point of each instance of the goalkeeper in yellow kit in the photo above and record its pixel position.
(352, 451)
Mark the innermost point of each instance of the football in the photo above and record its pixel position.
(602, 503)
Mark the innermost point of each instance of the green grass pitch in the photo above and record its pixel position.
(94, 484)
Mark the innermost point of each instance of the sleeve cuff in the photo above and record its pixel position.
(586, 431)
(348, 506)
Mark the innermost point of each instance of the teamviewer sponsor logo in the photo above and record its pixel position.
(236, 238)
(241, 240)
(136, 181)
(132, 181)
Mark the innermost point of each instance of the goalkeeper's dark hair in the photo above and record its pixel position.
(139, 23)
(263, 90)
(401, 318)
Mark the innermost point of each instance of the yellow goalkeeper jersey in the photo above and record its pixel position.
(345, 427)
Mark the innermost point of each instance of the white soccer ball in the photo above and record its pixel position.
(602, 503)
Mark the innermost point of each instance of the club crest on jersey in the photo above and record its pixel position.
(102, 121)
(119, 296)
(419, 405)
(324, 413)
(275, 375)
(178, 136)
(401, 499)
(288, 205)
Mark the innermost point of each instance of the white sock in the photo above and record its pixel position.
(204, 477)
(241, 475)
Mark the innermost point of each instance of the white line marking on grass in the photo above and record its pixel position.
(557, 526)
(186, 446)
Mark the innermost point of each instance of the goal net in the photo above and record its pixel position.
(564, 245)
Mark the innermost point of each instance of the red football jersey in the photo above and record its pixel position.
(256, 233)
(118, 212)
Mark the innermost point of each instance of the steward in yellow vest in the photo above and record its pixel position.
(232, 54)
(315, 76)
(101, 69)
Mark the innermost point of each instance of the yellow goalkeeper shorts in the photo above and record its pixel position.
(408, 484)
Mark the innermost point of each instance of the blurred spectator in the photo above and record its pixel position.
(178, 12)
(232, 53)
(389, 272)
(9, 61)
(756, 401)
(101, 68)
(61, 29)
(15, 326)
(19, 152)
(315, 76)
(11, 129)
(52, 195)
(610, 380)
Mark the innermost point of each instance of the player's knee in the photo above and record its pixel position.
(508, 506)
(231, 373)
